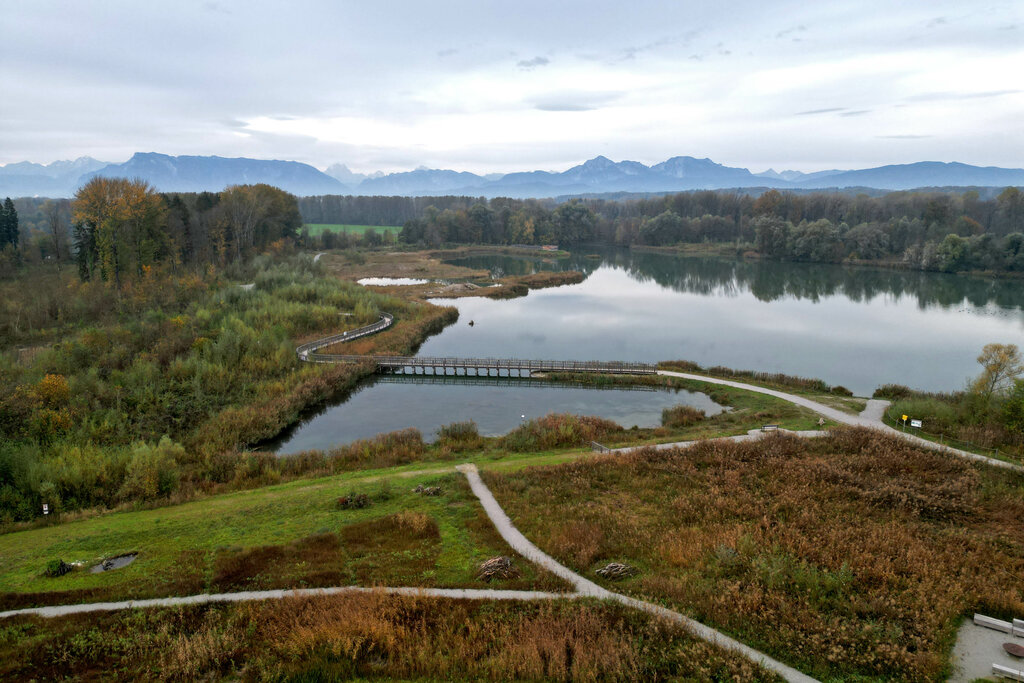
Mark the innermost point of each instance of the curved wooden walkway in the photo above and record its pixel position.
(441, 365)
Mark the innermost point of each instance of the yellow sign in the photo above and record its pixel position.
(904, 418)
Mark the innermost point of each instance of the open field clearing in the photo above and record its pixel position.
(849, 556)
(317, 229)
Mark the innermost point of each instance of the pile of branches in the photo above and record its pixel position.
(616, 570)
(427, 490)
(497, 568)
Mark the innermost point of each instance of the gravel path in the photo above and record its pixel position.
(246, 596)
(870, 417)
(752, 435)
(524, 547)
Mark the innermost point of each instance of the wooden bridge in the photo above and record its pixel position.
(480, 367)
(492, 381)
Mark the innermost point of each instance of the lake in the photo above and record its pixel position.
(857, 327)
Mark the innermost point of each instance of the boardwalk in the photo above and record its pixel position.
(500, 367)
(479, 367)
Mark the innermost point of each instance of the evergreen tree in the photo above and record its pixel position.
(12, 222)
(8, 224)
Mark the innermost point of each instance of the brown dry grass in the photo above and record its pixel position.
(367, 636)
(853, 555)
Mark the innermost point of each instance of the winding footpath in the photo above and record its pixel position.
(586, 587)
(871, 417)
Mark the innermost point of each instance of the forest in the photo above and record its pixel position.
(932, 231)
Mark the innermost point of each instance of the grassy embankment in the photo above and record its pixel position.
(286, 536)
(849, 556)
(367, 637)
(317, 229)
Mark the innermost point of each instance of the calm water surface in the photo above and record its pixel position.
(851, 326)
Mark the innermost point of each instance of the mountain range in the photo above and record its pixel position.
(596, 176)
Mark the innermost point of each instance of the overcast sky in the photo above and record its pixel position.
(488, 86)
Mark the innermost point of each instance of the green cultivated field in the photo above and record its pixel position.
(316, 229)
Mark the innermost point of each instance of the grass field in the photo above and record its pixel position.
(291, 535)
(852, 557)
(316, 229)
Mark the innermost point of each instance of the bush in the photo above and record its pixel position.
(459, 436)
(55, 568)
(681, 416)
(840, 390)
(152, 470)
(893, 392)
(556, 431)
(354, 501)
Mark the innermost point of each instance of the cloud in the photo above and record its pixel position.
(447, 52)
(829, 110)
(790, 31)
(856, 112)
(903, 137)
(528, 64)
(573, 101)
(937, 21)
(938, 96)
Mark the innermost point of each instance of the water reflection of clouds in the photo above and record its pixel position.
(911, 328)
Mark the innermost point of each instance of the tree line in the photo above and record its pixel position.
(939, 231)
(121, 226)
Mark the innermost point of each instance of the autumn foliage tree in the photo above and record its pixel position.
(121, 222)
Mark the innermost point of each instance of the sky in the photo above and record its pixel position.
(485, 86)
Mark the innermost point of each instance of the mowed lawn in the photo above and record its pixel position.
(316, 229)
(289, 535)
(852, 557)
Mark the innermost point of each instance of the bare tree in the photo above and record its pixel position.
(56, 218)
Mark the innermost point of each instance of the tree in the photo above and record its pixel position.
(9, 231)
(817, 241)
(772, 235)
(1002, 365)
(124, 219)
(57, 224)
(665, 228)
(952, 253)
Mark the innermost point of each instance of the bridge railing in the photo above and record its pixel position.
(613, 367)
(305, 352)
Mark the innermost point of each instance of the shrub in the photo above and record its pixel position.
(681, 416)
(58, 567)
(840, 390)
(893, 392)
(152, 471)
(354, 501)
(555, 431)
(459, 436)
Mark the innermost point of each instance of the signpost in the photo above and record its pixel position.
(46, 509)
(904, 418)
(916, 424)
